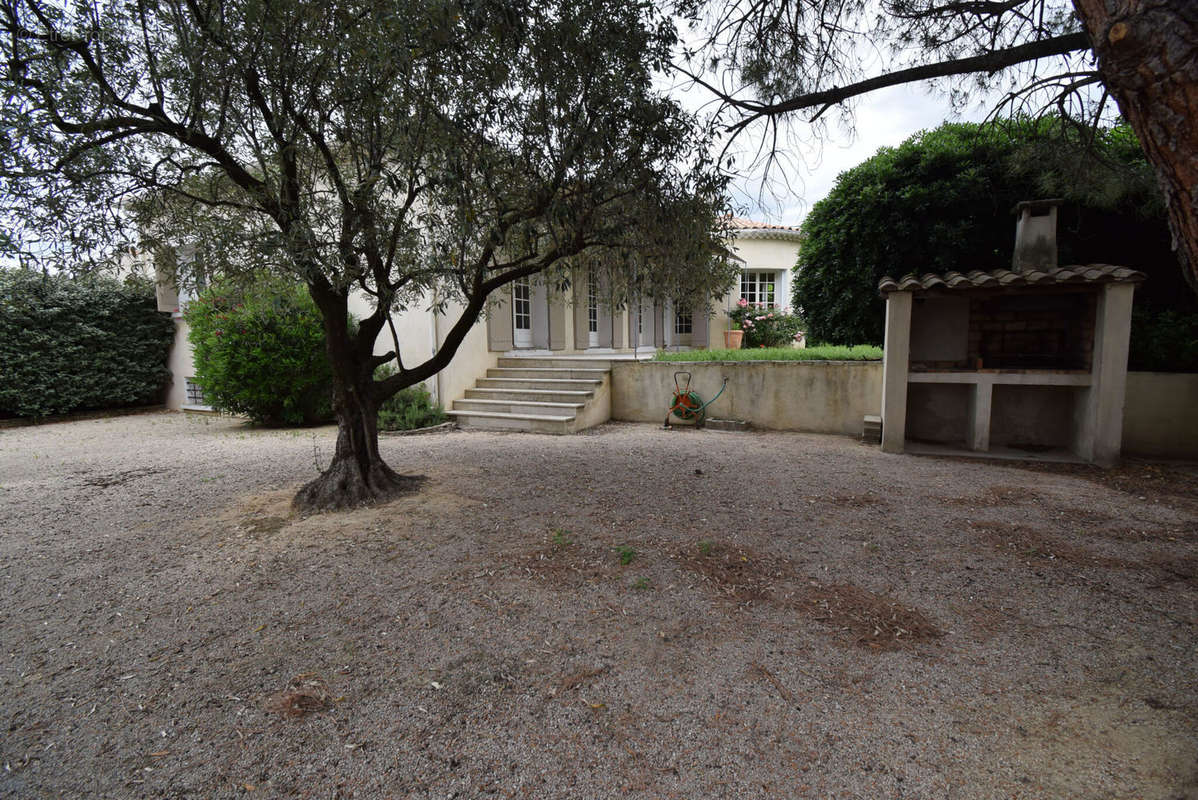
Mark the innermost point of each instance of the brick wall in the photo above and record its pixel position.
(1032, 331)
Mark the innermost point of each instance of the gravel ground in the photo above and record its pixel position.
(628, 612)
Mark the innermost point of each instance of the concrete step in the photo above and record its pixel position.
(555, 363)
(568, 384)
(547, 372)
(518, 407)
(527, 423)
(530, 395)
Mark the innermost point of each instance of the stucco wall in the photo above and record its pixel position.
(181, 366)
(470, 363)
(1160, 415)
(758, 254)
(812, 396)
(417, 328)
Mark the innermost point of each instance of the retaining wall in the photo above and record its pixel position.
(810, 396)
(1160, 415)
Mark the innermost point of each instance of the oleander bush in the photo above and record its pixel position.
(765, 326)
(77, 344)
(942, 201)
(259, 351)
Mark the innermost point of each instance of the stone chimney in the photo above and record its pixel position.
(1035, 235)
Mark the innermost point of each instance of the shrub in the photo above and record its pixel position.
(409, 408)
(1164, 341)
(260, 351)
(79, 344)
(765, 326)
(942, 201)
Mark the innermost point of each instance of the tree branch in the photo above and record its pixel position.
(987, 62)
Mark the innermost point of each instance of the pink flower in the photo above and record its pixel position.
(742, 302)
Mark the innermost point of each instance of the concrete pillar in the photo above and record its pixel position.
(980, 402)
(895, 363)
(1100, 432)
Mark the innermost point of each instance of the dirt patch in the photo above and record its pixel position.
(305, 694)
(992, 496)
(110, 479)
(735, 572)
(859, 500)
(871, 620)
(1028, 543)
(1141, 479)
(567, 565)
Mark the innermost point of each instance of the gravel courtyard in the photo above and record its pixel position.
(628, 612)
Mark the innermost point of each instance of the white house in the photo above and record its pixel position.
(549, 330)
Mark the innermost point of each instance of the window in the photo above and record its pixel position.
(758, 287)
(683, 322)
(592, 305)
(522, 304)
(195, 392)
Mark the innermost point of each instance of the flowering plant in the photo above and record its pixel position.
(764, 325)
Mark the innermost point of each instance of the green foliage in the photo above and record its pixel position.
(862, 352)
(942, 201)
(626, 553)
(259, 351)
(560, 538)
(765, 327)
(1163, 341)
(409, 408)
(77, 344)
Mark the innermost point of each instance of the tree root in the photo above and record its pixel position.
(345, 485)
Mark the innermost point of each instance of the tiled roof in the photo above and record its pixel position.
(741, 222)
(1003, 278)
(750, 229)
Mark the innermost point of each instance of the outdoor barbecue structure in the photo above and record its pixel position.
(1030, 361)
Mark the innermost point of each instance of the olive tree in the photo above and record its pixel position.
(389, 147)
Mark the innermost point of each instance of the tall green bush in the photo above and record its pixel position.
(70, 344)
(260, 351)
(942, 201)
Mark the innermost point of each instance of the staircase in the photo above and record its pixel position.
(538, 395)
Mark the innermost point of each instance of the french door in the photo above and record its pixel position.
(522, 313)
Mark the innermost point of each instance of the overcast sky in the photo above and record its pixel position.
(881, 119)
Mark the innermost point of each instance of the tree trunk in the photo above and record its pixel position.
(357, 475)
(1148, 58)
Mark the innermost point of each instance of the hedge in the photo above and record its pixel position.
(78, 344)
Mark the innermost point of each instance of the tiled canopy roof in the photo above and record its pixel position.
(1004, 278)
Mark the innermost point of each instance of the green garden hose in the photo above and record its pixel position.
(687, 404)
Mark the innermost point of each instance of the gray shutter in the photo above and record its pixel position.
(659, 325)
(540, 314)
(499, 320)
(699, 326)
(558, 314)
(580, 309)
